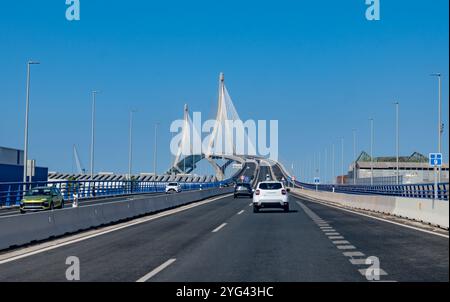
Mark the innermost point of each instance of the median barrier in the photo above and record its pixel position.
(22, 229)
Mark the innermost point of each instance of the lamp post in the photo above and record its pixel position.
(397, 141)
(94, 93)
(440, 125)
(332, 166)
(27, 108)
(354, 156)
(130, 149)
(342, 160)
(371, 151)
(156, 148)
(325, 167)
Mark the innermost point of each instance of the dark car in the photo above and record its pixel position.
(243, 189)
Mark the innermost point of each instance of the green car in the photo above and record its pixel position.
(41, 199)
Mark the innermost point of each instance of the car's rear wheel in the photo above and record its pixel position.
(22, 211)
(286, 208)
(255, 209)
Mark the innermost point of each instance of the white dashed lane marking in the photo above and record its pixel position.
(356, 258)
(240, 212)
(346, 247)
(335, 237)
(360, 261)
(219, 227)
(156, 270)
(332, 234)
(341, 242)
(353, 254)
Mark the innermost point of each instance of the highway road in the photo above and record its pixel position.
(250, 169)
(82, 203)
(223, 240)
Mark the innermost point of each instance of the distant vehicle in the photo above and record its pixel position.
(41, 199)
(270, 194)
(243, 189)
(173, 187)
(268, 177)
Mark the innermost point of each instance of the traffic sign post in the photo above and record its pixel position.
(435, 161)
(317, 182)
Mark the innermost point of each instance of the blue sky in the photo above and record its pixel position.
(319, 67)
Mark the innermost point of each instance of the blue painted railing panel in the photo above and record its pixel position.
(11, 193)
(407, 190)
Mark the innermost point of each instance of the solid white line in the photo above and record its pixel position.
(381, 219)
(112, 229)
(156, 270)
(219, 227)
(240, 212)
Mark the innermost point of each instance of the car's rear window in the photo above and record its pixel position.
(173, 184)
(244, 185)
(270, 186)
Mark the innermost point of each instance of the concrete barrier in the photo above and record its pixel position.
(434, 212)
(19, 229)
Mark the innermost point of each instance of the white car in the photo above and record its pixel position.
(270, 194)
(173, 187)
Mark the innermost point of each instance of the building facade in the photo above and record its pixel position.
(11, 167)
(412, 169)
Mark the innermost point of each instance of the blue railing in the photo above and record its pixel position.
(12, 193)
(407, 190)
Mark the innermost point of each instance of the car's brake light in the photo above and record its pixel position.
(257, 192)
(283, 192)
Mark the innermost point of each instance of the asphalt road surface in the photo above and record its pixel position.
(81, 203)
(224, 240)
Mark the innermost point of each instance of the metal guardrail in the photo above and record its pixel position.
(12, 193)
(407, 190)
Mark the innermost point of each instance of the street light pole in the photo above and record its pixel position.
(440, 126)
(325, 167)
(371, 151)
(332, 166)
(397, 140)
(27, 108)
(94, 93)
(156, 148)
(130, 150)
(342, 160)
(354, 156)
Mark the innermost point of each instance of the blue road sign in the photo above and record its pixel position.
(316, 180)
(435, 159)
